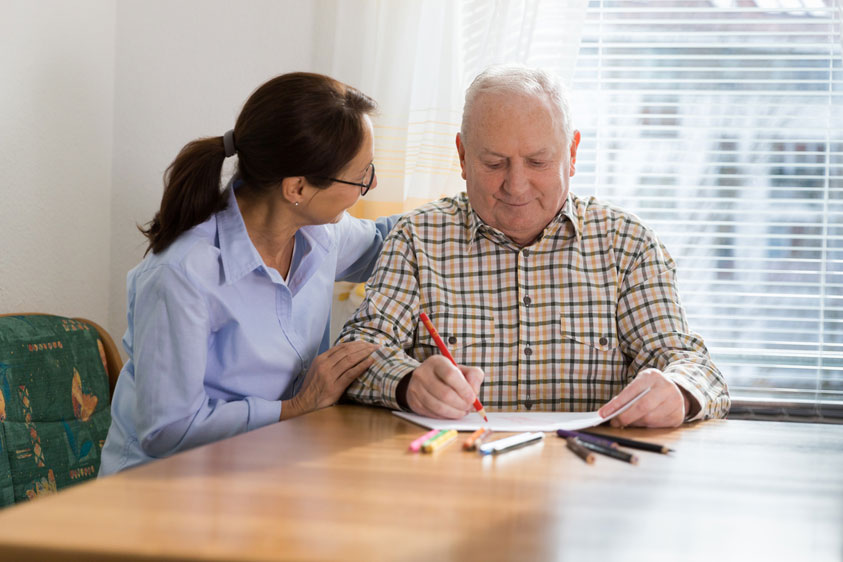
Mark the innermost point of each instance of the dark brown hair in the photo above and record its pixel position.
(297, 124)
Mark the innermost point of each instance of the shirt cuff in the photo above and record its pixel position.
(684, 381)
(394, 370)
(262, 412)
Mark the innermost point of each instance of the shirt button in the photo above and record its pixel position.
(526, 253)
(528, 404)
(528, 351)
(452, 340)
(527, 301)
(604, 340)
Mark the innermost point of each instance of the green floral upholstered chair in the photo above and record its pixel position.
(56, 379)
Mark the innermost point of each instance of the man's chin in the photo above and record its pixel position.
(518, 226)
(517, 217)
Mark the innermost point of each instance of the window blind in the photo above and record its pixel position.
(720, 125)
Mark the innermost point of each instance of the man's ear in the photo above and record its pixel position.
(575, 142)
(292, 189)
(461, 152)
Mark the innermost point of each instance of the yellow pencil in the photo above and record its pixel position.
(440, 441)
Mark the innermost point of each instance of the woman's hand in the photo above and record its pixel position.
(329, 376)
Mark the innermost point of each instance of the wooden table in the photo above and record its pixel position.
(338, 484)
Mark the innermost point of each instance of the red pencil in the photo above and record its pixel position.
(444, 350)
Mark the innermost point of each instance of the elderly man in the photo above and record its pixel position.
(547, 301)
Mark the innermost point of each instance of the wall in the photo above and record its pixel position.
(56, 94)
(184, 69)
(98, 97)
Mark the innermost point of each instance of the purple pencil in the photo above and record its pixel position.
(565, 434)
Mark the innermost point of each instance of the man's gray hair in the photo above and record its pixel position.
(524, 81)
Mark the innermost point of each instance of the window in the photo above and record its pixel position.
(720, 124)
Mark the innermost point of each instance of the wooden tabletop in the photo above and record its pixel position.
(339, 484)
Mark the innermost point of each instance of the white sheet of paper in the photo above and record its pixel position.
(519, 421)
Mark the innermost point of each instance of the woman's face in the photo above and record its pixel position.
(328, 204)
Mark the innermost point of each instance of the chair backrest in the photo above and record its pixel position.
(56, 379)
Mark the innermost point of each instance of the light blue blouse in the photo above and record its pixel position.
(216, 339)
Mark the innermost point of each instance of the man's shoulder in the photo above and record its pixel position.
(444, 212)
(449, 206)
(594, 210)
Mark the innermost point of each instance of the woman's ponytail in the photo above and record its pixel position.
(191, 192)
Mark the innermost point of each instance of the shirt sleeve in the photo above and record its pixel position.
(387, 316)
(360, 243)
(172, 336)
(654, 331)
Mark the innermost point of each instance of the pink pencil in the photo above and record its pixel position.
(415, 446)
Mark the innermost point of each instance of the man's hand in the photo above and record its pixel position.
(328, 377)
(438, 389)
(664, 406)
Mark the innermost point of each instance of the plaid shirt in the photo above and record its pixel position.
(561, 325)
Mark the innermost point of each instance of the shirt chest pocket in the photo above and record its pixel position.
(468, 335)
(590, 324)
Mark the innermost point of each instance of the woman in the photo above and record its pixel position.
(228, 315)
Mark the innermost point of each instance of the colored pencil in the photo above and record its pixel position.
(416, 445)
(565, 434)
(444, 351)
(476, 438)
(633, 444)
(575, 445)
(429, 440)
(609, 452)
(439, 441)
(510, 443)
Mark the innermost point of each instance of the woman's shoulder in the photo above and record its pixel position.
(195, 252)
(348, 230)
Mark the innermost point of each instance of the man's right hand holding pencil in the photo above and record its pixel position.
(439, 389)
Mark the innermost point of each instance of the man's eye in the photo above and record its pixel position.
(493, 165)
(538, 163)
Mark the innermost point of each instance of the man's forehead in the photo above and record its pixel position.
(525, 151)
(499, 112)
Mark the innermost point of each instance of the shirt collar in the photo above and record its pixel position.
(477, 227)
(237, 252)
(572, 212)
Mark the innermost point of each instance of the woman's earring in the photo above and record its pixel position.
(296, 203)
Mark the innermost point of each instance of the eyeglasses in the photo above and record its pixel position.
(364, 187)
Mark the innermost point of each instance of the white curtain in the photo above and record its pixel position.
(416, 58)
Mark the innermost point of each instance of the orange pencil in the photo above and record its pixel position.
(476, 438)
(444, 350)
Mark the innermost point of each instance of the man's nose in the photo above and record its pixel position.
(516, 179)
